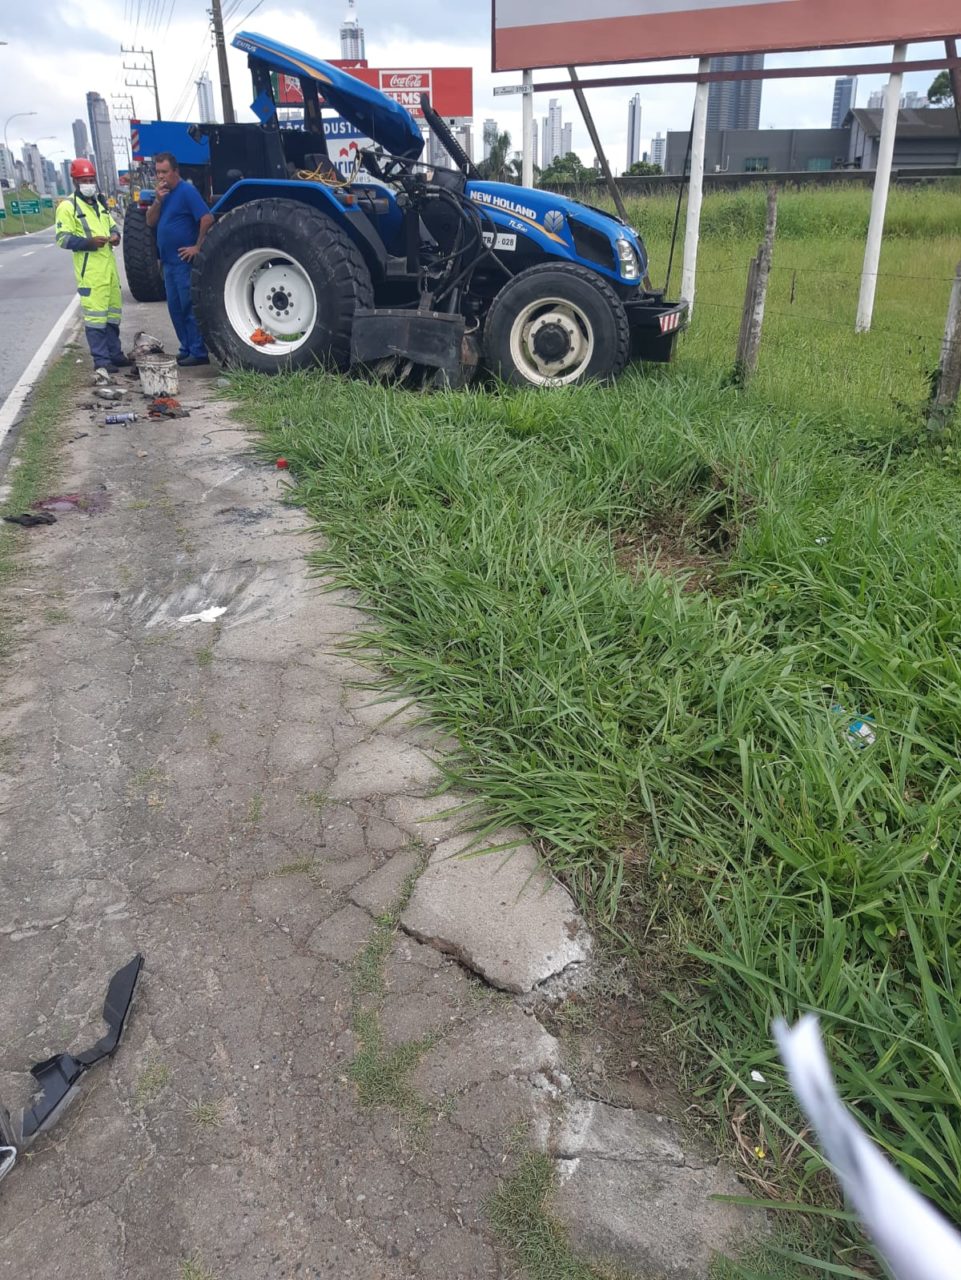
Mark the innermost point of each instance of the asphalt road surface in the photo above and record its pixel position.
(36, 283)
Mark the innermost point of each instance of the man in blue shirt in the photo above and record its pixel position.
(181, 219)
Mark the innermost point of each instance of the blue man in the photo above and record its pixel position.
(181, 219)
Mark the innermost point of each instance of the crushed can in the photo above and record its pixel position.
(113, 418)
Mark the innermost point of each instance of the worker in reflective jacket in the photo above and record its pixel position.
(86, 228)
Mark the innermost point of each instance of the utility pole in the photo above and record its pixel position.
(123, 114)
(217, 26)
(954, 76)
(150, 70)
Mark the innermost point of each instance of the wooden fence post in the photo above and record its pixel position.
(947, 383)
(755, 296)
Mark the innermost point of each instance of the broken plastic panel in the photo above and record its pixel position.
(57, 1077)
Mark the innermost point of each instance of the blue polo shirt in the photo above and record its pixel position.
(179, 224)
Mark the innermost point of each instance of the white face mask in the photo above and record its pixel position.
(88, 188)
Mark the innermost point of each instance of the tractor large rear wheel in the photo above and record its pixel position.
(555, 325)
(140, 263)
(275, 287)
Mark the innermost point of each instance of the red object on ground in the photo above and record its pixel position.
(283, 464)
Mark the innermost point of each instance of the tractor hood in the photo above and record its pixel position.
(372, 112)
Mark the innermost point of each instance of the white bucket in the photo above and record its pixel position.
(158, 375)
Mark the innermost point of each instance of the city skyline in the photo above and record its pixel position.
(735, 104)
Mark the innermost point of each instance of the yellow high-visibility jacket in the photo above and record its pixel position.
(98, 281)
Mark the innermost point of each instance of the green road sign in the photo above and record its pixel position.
(3, 214)
(47, 202)
(24, 206)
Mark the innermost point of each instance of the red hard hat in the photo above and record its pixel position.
(82, 168)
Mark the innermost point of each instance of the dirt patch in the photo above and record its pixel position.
(94, 503)
(664, 544)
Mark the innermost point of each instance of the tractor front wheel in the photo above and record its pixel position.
(275, 287)
(141, 266)
(556, 325)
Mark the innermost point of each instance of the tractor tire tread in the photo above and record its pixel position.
(141, 266)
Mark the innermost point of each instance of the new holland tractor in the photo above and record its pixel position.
(406, 269)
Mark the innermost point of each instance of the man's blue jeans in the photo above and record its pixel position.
(177, 282)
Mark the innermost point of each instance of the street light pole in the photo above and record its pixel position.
(6, 147)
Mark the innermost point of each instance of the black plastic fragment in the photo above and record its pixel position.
(57, 1077)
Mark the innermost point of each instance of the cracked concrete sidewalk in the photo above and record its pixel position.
(222, 797)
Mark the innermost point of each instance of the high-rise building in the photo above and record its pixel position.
(914, 101)
(51, 178)
(552, 131)
(67, 180)
(33, 164)
(98, 113)
(8, 172)
(735, 104)
(81, 147)
(534, 134)
(633, 130)
(876, 100)
(658, 149)
(490, 134)
(205, 99)
(567, 139)
(466, 140)
(845, 97)
(352, 36)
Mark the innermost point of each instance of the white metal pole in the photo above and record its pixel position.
(879, 198)
(527, 168)
(695, 195)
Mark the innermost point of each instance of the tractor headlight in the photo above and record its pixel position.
(628, 262)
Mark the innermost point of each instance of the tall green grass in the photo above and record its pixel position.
(679, 751)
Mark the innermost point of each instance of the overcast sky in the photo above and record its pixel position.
(57, 50)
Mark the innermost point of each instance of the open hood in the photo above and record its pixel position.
(372, 112)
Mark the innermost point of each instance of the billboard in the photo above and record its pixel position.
(558, 33)
(451, 89)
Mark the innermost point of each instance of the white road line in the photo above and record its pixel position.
(28, 253)
(14, 401)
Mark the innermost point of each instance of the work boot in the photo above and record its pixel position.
(190, 361)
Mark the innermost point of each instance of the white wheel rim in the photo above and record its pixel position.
(572, 321)
(269, 290)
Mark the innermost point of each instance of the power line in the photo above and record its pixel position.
(247, 15)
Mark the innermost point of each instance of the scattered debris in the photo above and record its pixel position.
(92, 504)
(145, 344)
(58, 1077)
(210, 614)
(283, 464)
(260, 338)
(758, 1078)
(112, 419)
(79, 435)
(166, 407)
(102, 378)
(859, 731)
(30, 518)
(109, 393)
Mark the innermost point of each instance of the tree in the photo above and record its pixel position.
(496, 168)
(642, 169)
(940, 95)
(569, 168)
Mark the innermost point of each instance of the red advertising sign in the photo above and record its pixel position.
(451, 89)
(558, 33)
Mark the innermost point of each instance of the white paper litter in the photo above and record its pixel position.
(913, 1238)
(210, 614)
(758, 1078)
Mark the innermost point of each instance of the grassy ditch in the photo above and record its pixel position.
(680, 740)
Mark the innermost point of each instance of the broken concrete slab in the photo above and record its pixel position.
(382, 890)
(500, 1043)
(382, 766)
(629, 1192)
(500, 913)
(344, 936)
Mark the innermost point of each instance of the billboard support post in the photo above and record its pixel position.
(527, 108)
(879, 197)
(695, 195)
(598, 147)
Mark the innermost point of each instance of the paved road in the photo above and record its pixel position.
(36, 283)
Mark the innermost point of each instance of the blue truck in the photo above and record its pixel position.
(403, 269)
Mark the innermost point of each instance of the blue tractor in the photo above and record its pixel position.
(405, 269)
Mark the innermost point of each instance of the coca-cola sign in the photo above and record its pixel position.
(405, 80)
